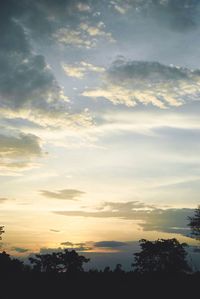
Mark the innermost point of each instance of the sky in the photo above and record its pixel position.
(99, 123)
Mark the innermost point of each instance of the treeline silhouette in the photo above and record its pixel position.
(160, 266)
(160, 269)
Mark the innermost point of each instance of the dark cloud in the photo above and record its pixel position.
(109, 244)
(28, 87)
(68, 194)
(153, 72)
(154, 219)
(54, 230)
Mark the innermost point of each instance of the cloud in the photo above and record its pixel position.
(97, 31)
(70, 37)
(150, 218)
(141, 82)
(68, 194)
(45, 250)
(28, 87)
(67, 244)
(20, 145)
(179, 15)
(109, 244)
(77, 246)
(120, 8)
(83, 7)
(17, 150)
(84, 35)
(3, 200)
(81, 69)
(19, 249)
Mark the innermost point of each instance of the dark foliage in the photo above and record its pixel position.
(194, 224)
(168, 256)
(59, 262)
(10, 266)
(1, 231)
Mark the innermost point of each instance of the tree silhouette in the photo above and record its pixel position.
(71, 261)
(45, 262)
(118, 269)
(107, 270)
(1, 231)
(8, 265)
(166, 256)
(194, 224)
(66, 261)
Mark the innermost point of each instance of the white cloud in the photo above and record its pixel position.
(81, 69)
(84, 35)
(82, 7)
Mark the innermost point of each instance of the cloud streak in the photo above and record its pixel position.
(109, 244)
(149, 218)
(66, 194)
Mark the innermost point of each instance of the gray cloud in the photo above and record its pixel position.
(134, 82)
(20, 145)
(17, 150)
(68, 194)
(179, 15)
(110, 244)
(149, 219)
(28, 88)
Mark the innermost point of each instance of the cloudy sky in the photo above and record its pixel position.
(99, 122)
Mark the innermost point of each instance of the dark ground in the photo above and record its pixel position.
(101, 285)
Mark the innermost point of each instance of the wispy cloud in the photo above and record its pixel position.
(81, 69)
(68, 194)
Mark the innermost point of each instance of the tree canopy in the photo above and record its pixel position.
(168, 256)
(194, 224)
(66, 261)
